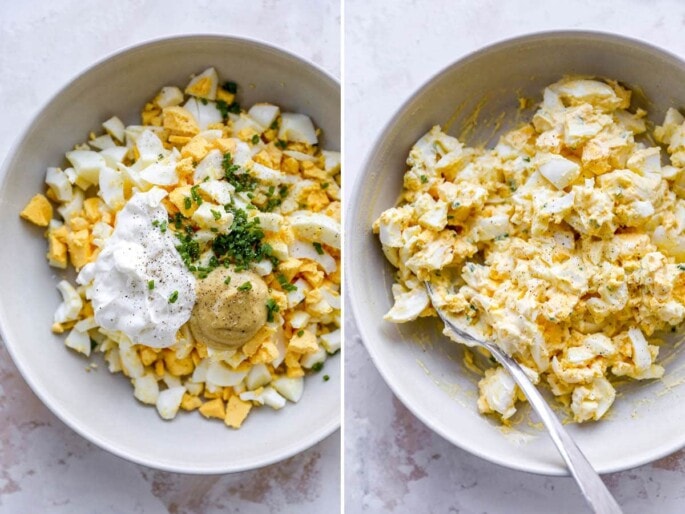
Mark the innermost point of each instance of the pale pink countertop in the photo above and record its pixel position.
(44, 465)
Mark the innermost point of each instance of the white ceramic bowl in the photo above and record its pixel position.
(422, 367)
(98, 405)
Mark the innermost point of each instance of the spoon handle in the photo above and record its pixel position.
(596, 493)
(590, 483)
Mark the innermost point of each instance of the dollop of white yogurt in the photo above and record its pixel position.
(140, 285)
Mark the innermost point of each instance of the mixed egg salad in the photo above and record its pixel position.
(564, 244)
(206, 243)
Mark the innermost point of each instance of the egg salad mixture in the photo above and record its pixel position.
(207, 246)
(564, 244)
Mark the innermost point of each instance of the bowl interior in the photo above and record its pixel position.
(99, 405)
(476, 99)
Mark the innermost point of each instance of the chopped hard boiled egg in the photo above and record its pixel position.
(202, 208)
(564, 244)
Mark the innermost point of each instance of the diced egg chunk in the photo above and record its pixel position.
(204, 85)
(559, 170)
(71, 303)
(289, 388)
(116, 128)
(316, 227)
(264, 114)
(111, 187)
(221, 375)
(272, 398)
(497, 393)
(169, 401)
(298, 128)
(218, 190)
(258, 376)
(641, 355)
(205, 113)
(331, 341)
(87, 164)
(59, 184)
(311, 359)
(169, 96)
(408, 304)
(211, 215)
(79, 341)
(146, 389)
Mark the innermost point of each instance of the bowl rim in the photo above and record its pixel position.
(353, 209)
(284, 453)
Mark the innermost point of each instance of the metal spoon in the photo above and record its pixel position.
(596, 493)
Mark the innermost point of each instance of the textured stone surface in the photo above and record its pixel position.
(393, 463)
(44, 466)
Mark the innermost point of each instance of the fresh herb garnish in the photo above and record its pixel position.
(281, 144)
(150, 284)
(189, 249)
(224, 108)
(324, 185)
(173, 297)
(187, 202)
(287, 286)
(195, 195)
(247, 286)
(326, 378)
(300, 333)
(317, 367)
(255, 139)
(231, 87)
(216, 214)
(241, 181)
(228, 280)
(318, 248)
(244, 244)
(271, 307)
(424, 179)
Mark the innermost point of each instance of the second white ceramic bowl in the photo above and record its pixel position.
(98, 405)
(422, 367)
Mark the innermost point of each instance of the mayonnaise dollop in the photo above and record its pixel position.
(140, 285)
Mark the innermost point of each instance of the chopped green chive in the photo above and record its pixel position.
(150, 284)
(317, 367)
(326, 378)
(216, 214)
(187, 202)
(287, 286)
(246, 286)
(324, 185)
(255, 139)
(318, 248)
(271, 307)
(424, 179)
(281, 144)
(300, 333)
(173, 297)
(231, 87)
(239, 179)
(195, 195)
(228, 280)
